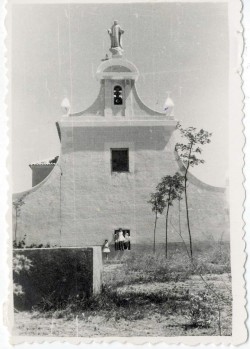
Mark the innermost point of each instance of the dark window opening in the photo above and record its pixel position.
(119, 160)
(122, 240)
(117, 95)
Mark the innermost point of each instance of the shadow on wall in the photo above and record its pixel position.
(56, 274)
(93, 138)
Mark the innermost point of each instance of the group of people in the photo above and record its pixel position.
(121, 242)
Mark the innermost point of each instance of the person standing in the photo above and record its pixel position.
(121, 239)
(116, 240)
(106, 249)
(127, 241)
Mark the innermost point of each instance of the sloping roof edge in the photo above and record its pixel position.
(47, 162)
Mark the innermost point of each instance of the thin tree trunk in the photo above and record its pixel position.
(60, 198)
(16, 225)
(179, 216)
(187, 213)
(167, 231)
(155, 229)
(219, 320)
(186, 202)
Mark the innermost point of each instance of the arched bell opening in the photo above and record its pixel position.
(118, 95)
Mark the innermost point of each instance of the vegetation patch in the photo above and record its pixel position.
(49, 278)
(146, 294)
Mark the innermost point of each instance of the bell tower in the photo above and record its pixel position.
(118, 99)
(118, 77)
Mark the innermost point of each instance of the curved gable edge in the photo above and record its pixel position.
(95, 108)
(194, 180)
(23, 194)
(145, 108)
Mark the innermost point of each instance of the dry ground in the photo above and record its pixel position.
(142, 319)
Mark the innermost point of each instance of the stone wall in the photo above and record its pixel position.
(57, 274)
(39, 217)
(85, 204)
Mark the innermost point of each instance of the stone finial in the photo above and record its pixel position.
(65, 105)
(169, 106)
(115, 33)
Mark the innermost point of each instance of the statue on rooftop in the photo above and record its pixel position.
(115, 33)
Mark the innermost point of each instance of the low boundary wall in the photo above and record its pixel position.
(57, 274)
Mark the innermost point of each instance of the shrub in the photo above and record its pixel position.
(152, 267)
(20, 244)
(215, 260)
(53, 277)
(149, 267)
(221, 255)
(20, 264)
(64, 313)
(201, 309)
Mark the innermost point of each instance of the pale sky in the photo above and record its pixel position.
(177, 47)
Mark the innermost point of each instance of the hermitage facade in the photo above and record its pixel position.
(113, 155)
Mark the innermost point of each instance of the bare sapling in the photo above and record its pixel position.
(170, 188)
(158, 205)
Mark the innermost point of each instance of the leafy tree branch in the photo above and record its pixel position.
(189, 154)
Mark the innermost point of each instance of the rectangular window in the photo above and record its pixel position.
(122, 240)
(119, 160)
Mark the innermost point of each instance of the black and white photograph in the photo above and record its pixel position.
(126, 171)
